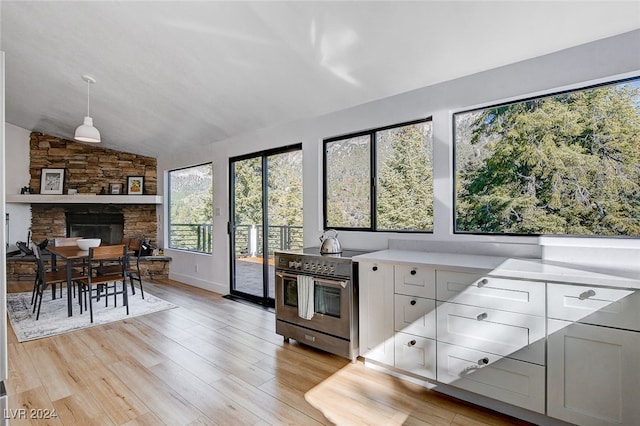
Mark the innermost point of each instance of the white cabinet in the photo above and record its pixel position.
(565, 351)
(397, 321)
(376, 322)
(415, 355)
(593, 374)
(613, 307)
(502, 333)
(592, 362)
(526, 297)
(491, 337)
(415, 320)
(515, 382)
(415, 315)
(415, 280)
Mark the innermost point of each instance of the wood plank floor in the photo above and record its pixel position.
(211, 361)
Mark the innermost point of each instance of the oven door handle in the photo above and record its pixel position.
(331, 283)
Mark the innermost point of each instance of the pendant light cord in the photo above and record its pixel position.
(88, 96)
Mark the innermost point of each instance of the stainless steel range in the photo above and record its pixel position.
(331, 324)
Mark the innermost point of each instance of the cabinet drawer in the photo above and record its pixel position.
(415, 281)
(415, 315)
(526, 297)
(415, 355)
(594, 305)
(515, 382)
(517, 336)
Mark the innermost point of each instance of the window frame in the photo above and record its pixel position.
(168, 209)
(514, 101)
(373, 163)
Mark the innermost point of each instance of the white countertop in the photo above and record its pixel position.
(462, 262)
(526, 269)
(540, 270)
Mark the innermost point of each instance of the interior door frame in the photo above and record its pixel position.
(264, 299)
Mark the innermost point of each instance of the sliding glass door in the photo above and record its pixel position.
(266, 216)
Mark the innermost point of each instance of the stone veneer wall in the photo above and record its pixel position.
(88, 168)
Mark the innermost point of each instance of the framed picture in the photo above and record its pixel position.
(135, 185)
(52, 181)
(115, 188)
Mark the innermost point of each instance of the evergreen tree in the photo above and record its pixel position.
(405, 179)
(567, 164)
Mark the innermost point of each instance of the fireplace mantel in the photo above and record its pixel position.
(83, 199)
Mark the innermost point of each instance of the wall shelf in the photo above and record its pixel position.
(83, 199)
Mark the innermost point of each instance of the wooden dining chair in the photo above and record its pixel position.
(94, 286)
(45, 278)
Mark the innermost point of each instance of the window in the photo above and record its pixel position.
(190, 208)
(380, 180)
(562, 164)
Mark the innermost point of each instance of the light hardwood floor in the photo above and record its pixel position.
(211, 361)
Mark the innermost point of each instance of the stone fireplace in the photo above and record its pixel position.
(90, 169)
(52, 220)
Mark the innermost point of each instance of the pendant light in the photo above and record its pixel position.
(86, 132)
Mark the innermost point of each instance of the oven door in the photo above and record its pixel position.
(332, 304)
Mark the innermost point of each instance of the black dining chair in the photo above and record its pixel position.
(95, 286)
(133, 270)
(45, 278)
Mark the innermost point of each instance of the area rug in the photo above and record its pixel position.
(53, 313)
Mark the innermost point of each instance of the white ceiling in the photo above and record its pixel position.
(172, 75)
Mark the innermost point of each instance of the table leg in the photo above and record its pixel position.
(69, 286)
(53, 268)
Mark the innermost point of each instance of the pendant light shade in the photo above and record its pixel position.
(86, 132)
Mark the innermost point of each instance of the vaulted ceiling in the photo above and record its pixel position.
(176, 75)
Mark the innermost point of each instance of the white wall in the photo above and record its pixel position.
(17, 176)
(589, 63)
(3, 261)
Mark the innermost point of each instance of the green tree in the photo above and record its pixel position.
(348, 180)
(405, 179)
(567, 164)
(248, 191)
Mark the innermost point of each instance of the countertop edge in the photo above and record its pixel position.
(514, 268)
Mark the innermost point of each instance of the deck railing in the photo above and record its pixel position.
(197, 237)
(249, 239)
(190, 236)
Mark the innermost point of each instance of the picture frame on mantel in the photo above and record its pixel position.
(52, 181)
(115, 188)
(135, 185)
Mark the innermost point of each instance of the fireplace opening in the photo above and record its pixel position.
(109, 227)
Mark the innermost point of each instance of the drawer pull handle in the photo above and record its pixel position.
(375, 268)
(482, 316)
(587, 294)
(413, 302)
(483, 361)
(412, 343)
(483, 282)
(413, 272)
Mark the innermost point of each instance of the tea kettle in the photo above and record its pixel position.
(330, 245)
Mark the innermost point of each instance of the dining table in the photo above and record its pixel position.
(71, 254)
